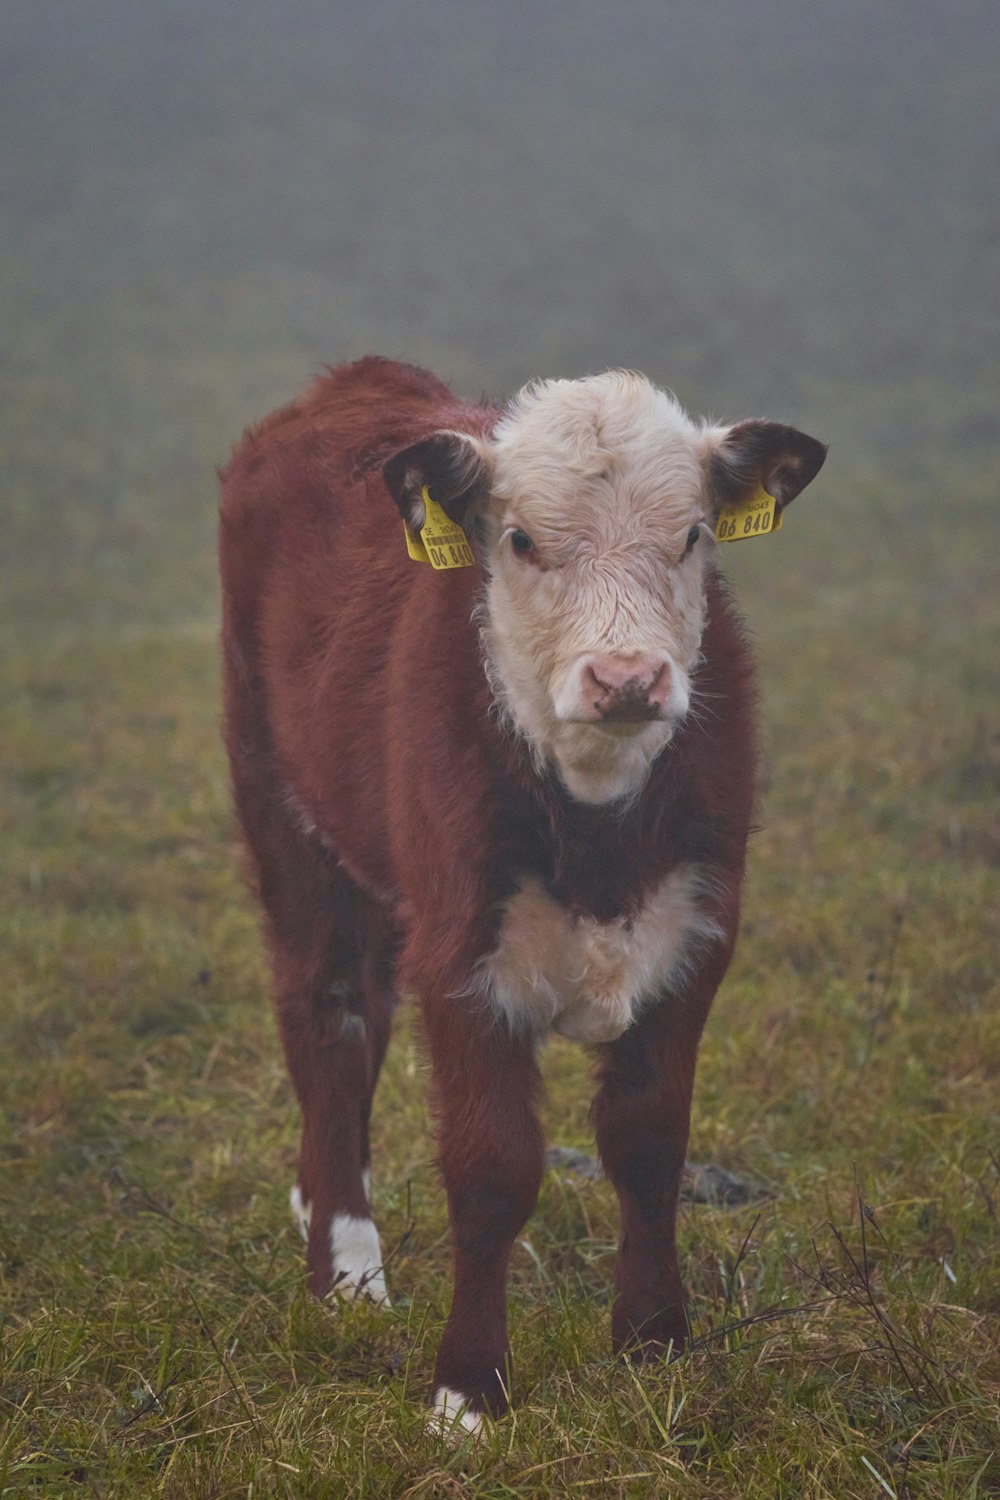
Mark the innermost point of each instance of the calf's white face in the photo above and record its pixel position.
(594, 504)
(597, 551)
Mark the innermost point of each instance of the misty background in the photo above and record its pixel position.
(776, 208)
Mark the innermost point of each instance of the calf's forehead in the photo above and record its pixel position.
(611, 450)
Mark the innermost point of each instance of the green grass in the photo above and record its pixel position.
(157, 1338)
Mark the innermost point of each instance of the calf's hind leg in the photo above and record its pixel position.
(334, 997)
(333, 953)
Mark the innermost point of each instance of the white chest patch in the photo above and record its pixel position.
(588, 979)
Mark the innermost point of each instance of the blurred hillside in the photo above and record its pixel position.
(774, 207)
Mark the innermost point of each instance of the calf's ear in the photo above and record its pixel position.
(761, 455)
(455, 469)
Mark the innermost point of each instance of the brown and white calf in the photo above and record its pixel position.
(519, 789)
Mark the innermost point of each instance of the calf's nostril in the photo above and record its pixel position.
(593, 683)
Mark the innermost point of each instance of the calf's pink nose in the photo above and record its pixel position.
(607, 679)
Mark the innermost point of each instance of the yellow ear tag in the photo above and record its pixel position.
(414, 545)
(758, 516)
(442, 542)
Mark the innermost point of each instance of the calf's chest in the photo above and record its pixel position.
(552, 970)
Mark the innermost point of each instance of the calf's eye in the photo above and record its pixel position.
(521, 543)
(693, 536)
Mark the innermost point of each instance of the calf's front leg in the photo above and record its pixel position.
(492, 1157)
(642, 1115)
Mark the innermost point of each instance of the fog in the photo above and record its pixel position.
(774, 207)
(729, 193)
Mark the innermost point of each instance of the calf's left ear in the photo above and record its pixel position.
(453, 467)
(762, 455)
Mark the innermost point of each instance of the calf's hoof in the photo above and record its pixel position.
(645, 1335)
(471, 1390)
(454, 1417)
(343, 1254)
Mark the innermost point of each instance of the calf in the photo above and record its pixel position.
(521, 791)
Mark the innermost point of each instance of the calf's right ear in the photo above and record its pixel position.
(454, 468)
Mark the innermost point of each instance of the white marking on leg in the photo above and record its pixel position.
(366, 1178)
(356, 1256)
(301, 1210)
(452, 1412)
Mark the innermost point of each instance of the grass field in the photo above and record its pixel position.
(157, 1337)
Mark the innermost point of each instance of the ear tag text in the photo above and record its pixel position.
(758, 516)
(441, 542)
